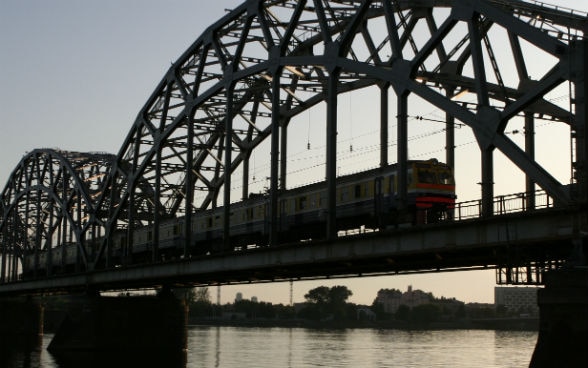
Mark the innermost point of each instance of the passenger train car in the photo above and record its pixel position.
(368, 199)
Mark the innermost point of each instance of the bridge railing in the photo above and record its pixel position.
(504, 204)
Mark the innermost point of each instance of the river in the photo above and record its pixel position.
(240, 347)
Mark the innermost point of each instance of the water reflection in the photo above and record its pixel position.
(19, 352)
(116, 359)
(237, 347)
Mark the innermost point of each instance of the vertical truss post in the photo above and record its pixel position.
(283, 154)
(487, 182)
(384, 87)
(128, 247)
(38, 231)
(275, 155)
(245, 184)
(450, 134)
(157, 205)
(189, 188)
(402, 144)
(530, 151)
(331, 171)
(227, 166)
(79, 244)
(4, 253)
(580, 123)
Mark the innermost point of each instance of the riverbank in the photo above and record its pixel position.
(502, 324)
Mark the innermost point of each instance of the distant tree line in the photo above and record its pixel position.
(324, 304)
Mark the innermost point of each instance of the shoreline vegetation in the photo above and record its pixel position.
(499, 324)
(328, 308)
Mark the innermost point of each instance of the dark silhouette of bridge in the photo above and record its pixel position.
(75, 221)
(240, 85)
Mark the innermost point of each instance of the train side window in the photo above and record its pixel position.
(392, 183)
(357, 191)
(302, 203)
(344, 194)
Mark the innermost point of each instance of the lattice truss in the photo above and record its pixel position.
(222, 85)
(50, 200)
(265, 62)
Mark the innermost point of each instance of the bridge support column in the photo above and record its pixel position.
(563, 331)
(21, 321)
(143, 324)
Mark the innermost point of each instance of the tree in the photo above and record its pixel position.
(403, 313)
(326, 301)
(378, 309)
(319, 295)
(338, 296)
(424, 314)
(201, 294)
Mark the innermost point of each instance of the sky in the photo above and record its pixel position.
(74, 74)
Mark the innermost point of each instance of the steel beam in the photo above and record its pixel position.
(228, 131)
(402, 145)
(275, 155)
(331, 154)
(530, 151)
(384, 88)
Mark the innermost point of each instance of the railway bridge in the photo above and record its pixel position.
(507, 76)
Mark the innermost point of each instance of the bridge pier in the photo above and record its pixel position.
(563, 329)
(21, 321)
(141, 324)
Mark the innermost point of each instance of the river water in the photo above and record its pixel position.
(232, 347)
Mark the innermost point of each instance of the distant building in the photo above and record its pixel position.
(391, 299)
(521, 300)
(412, 298)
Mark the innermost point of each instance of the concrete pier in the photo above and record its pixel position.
(21, 319)
(129, 324)
(563, 329)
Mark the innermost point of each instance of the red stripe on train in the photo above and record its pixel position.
(429, 201)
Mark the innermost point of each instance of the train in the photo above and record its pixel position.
(366, 200)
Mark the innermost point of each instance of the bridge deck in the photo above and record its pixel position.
(514, 239)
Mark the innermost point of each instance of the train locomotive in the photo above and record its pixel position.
(365, 200)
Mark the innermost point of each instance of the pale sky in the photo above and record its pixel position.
(74, 74)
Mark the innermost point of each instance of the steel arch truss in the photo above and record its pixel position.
(250, 73)
(49, 203)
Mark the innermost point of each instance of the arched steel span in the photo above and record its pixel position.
(250, 73)
(50, 200)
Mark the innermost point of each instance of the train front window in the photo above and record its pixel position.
(446, 177)
(427, 176)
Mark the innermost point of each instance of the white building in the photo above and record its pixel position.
(517, 299)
